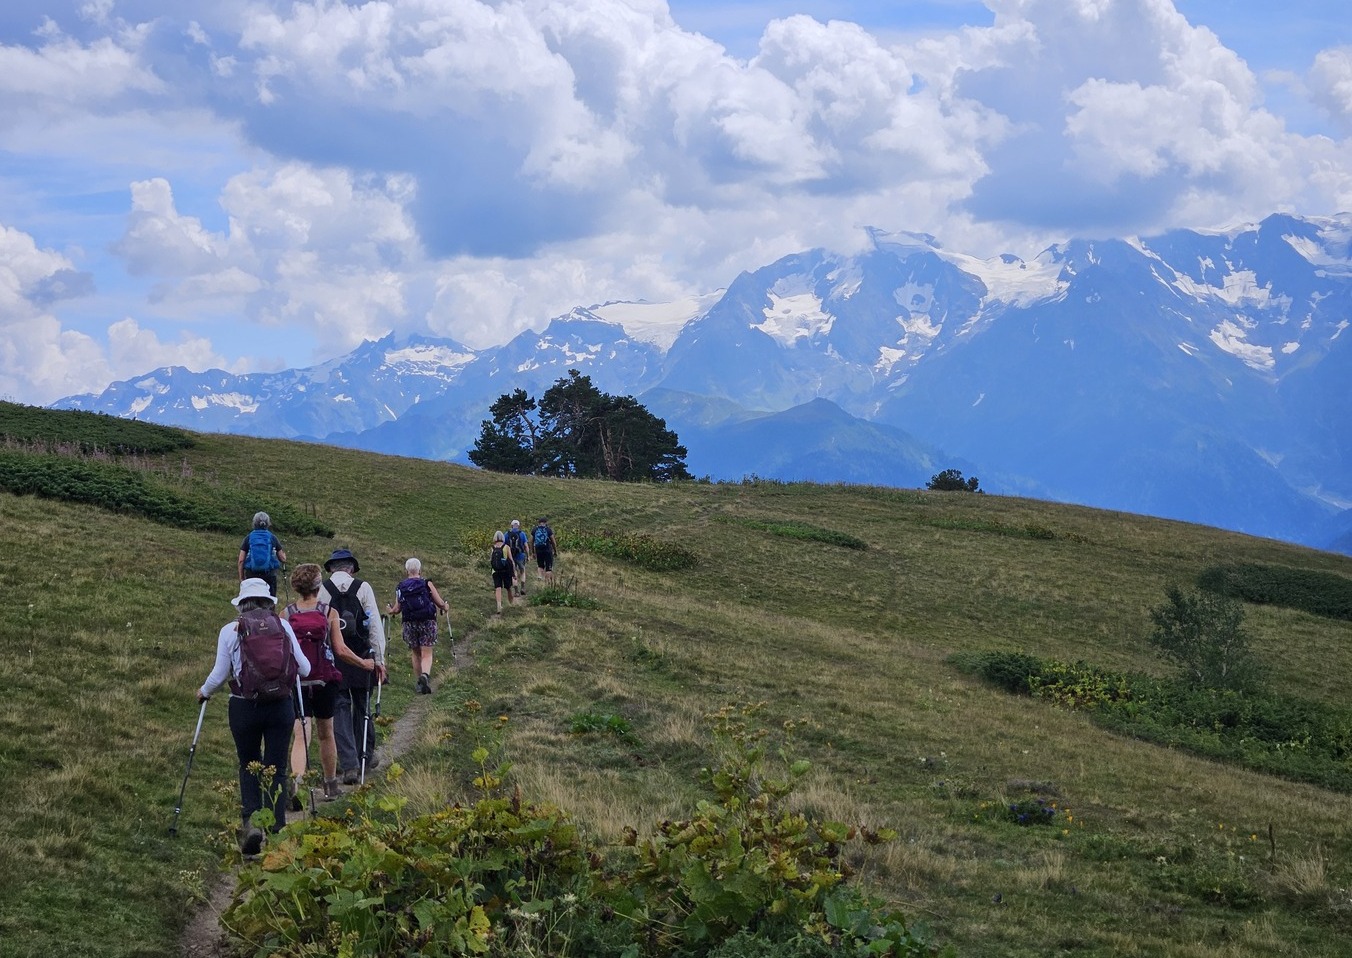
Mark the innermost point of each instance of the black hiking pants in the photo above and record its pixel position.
(349, 720)
(262, 732)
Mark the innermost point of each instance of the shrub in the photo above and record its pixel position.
(641, 549)
(88, 432)
(1010, 671)
(800, 530)
(1318, 593)
(1202, 633)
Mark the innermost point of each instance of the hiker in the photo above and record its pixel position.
(545, 549)
(362, 632)
(259, 655)
(317, 629)
(261, 553)
(417, 601)
(516, 541)
(500, 559)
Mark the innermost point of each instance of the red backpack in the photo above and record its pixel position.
(267, 669)
(312, 633)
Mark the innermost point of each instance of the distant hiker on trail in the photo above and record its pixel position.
(261, 554)
(500, 559)
(363, 633)
(545, 549)
(417, 600)
(516, 541)
(259, 655)
(321, 639)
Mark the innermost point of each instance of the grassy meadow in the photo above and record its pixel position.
(109, 624)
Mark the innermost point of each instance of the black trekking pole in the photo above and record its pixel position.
(286, 584)
(173, 828)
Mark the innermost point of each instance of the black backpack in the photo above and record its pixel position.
(501, 563)
(352, 621)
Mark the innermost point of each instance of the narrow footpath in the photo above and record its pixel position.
(203, 936)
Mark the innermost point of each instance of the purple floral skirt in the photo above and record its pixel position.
(418, 635)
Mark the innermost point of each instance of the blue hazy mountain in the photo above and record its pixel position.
(1194, 375)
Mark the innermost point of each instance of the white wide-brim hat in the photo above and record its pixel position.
(253, 589)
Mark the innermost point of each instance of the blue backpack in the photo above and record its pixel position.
(542, 537)
(261, 557)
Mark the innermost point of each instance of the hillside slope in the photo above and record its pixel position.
(110, 622)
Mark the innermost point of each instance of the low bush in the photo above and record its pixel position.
(1279, 735)
(1324, 594)
(644, 551)
(800, 530)
(505, 877)
(88, 432)
(119, 489)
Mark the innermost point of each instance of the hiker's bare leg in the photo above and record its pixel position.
(328, 747)
(298, 750)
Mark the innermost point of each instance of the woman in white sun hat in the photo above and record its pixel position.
(259, 655)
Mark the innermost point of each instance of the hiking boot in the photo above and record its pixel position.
(250, 840)
(372, 760)
(296, 804)
(351, 776)
(332, 789)
(425, 684)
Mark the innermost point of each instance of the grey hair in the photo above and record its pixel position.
(256, 602)
(262, 520)
(499, 537)
(413, 566)
(341, 565)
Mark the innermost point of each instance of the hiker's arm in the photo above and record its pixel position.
(340, 648)
(393, 607)
(367, 596)
(242, 556)
(222, 668)
(437, 600)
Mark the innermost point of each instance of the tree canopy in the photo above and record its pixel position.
(577, 430)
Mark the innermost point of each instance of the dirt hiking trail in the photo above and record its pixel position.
(202, 936)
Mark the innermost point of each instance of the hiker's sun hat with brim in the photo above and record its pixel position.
(253, 589)
(340, 555)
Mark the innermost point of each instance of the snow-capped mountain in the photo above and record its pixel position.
(1200, 376)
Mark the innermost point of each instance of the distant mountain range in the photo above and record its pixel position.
(1196, 376)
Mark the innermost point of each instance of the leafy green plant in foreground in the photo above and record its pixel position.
(507, 877)
(746, 864)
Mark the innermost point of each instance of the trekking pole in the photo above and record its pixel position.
(305, 741)
(286, 584)
(365, 731)
(173, 828)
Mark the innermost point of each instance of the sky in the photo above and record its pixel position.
(256, 184)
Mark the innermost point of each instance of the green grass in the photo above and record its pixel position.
(109, 623)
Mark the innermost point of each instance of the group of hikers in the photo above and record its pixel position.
(321, 659)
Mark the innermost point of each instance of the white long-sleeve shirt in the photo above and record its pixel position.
(367, 597)
(228, 659)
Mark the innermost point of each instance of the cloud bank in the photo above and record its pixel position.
(266, 183)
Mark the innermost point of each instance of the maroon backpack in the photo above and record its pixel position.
(267, 669)
(312, 634)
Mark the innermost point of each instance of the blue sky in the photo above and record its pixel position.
(255, 184)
